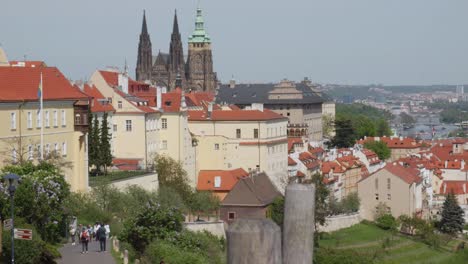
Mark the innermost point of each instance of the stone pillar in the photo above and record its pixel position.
(125, 258)
(254, 241)
(298, 227)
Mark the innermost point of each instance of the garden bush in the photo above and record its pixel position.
(170, 253)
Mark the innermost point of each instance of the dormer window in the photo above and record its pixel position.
(168, 103)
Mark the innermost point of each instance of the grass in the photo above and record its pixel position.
(369, 239)
(114, 176)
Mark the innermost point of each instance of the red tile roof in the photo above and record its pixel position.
(126, 164)
(291, 162)
(294, 141)
(97, 105)
(229, 178)
(112, 79)
(300, 174)
(394, 142)
(32, 64)
(409, 175)
(327, 166)
(22, 83)
(198, 98)
(234, 115)
(457, 187)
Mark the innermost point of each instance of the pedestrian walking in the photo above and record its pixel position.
(84, 240)
(107, 227)
(78, 233)
(101, 235)
(90, 232)
(73, 226)
(96, 228)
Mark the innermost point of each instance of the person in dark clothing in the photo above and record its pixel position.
(84, 238)
(101, 235)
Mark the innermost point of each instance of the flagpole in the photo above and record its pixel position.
(42, 120)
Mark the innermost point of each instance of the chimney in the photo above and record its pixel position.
(158, 97)
(464, 187)
(217, 181)
(232, 83)
(257, 106)
(446, 164)
(445, 188)
(123, 82)
(210, 109)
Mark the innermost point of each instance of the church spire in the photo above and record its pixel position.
(175, 28)
(144, 29)
(199, 35)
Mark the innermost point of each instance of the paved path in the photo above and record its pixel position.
(72, 254)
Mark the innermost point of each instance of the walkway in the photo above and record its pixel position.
(72, 254)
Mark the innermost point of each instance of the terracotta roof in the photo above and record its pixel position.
(171, 101)
(306, 155)
(300, 174)
(316, 150)
(32, 64)
(256, 191)
(291, 162)
(126, 164)
(22, 83)
(327, 166)
(457, 187)
(97, 104)
(206, 179)
(197, 98)
(112, 79)
(234, 115)
(293, 141)
(393, 142)
(409, 175)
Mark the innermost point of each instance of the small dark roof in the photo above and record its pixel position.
(164, 56)
(257, 190)
(245, 94)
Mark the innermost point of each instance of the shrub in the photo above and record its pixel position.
(203, 243)
(387, 222)
(162, 250)
(331, 256)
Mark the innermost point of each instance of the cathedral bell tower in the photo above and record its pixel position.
(176, 56)
(200, 59)
(145, 57)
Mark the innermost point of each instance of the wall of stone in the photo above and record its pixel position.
(215, 228)
(148, 182)
(340, 221)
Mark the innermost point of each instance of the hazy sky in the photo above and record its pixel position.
(330, 41)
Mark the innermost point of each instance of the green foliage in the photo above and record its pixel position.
(452, 220)
(170, 253)
(276, 211)
(349, 204)
(387, 222)
(327, 125)
(344, 135)
(451, 112)
(382, 128)
(407, 119)
(203, 203)
(380, 148)
(169, 198)
(153, 223)
(333, 256)
(172, 175)
(105, 154)
(94, 142)
(321, 197)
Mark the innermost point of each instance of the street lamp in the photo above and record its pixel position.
(12, 181)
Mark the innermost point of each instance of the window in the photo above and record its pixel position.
(29, 120)
(217, 181)
(47, 123)
(376, 183)
(288, 114)
(377, 196)
(56, 148)
(388, 184)
(55, 118)
(389, 196)
(128, 125)
(164, 123)
(119, 104)
(64, 118)
(115, 128)
(231, 215)
(30, 152)
(64, 148)
(255, 132)
(216, 146)
(39, 151)
(13, 121)
(14, 156)
(47, 149)
(38, 118)
(164, 144)
(238, 133)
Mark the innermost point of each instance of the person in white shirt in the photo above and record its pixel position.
(107, 227)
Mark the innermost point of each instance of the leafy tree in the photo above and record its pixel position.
(407, 119)
(105, 154)
(93, 143)
(155, 222)
(380, 148)
(276, 211)
(171, 174)
(383, 129)
(452, 216)
(327, 125)
(350, 203)
(204, 203)
(168, 198)
(363, 126)
(321, 197)
(344, 136)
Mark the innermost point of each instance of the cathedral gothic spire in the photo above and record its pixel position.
(176, 55)
(145, 57)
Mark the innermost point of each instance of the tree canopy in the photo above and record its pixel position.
(452, 216)
(380, 148)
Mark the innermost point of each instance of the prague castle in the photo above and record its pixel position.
(194, 71)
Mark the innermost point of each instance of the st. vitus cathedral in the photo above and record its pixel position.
(165, 68)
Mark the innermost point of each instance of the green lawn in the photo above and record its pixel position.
(368, 240)
(114, 176)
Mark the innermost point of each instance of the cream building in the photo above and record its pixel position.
(63, 121)
(134, 123)
(398, 187)
(228, 137)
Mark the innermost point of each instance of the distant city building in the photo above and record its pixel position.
(196, 73)
(299, 102)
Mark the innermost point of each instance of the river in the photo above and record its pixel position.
(423, 128)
